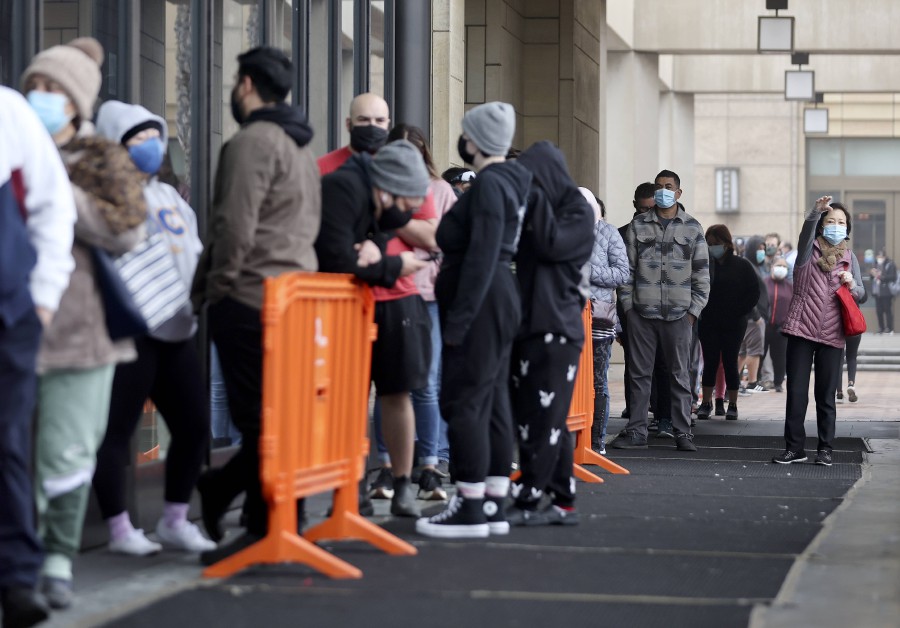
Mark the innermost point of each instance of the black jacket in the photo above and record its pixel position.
(557, 239)
(479, 233)
(733, 294)
(348, 217)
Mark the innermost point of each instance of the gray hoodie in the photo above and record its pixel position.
(167, 213)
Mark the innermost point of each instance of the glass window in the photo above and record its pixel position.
(872, 157)
(6, 44)
(238, 31)
(376, 49)
(824, 157)
(318, 74)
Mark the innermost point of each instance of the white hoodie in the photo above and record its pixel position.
(168, 213)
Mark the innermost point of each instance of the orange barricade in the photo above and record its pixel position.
(317, 345)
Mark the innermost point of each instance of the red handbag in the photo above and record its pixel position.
(854, 321)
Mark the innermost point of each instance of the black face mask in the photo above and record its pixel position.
(392, 218)
(368, 138)
(468, 158)
(236, 107)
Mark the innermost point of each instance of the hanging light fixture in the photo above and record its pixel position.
(800, 84)
(775, 34)
(816, 120)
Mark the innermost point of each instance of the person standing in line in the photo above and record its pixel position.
(167, 369)
(753, 346)
(37, 217)
(814, 326)
(78, 357)
(669, 263)
(265, 216)
(781, 291)
(733, 293)
(884, 275)
(368, 124)
(480, 312)
(554, 249)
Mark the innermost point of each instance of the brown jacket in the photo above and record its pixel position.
(111, 215)
(265, 218)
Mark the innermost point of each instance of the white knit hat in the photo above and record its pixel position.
(76, 67)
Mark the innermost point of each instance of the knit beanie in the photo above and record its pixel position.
(76, 67)
(491, 126)
(399, 169)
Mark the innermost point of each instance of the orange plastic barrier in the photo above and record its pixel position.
(317, 345)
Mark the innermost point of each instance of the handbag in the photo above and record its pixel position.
(854, 321)
(603, 313)
(149, 276)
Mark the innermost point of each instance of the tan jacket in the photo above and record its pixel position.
(265, 218)
(111, 215)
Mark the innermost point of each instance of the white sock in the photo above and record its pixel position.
(471, 490)
(496, 486)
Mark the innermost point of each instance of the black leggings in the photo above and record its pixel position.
(850, 351)
(169, 374)
(777, 343)
(726, 343)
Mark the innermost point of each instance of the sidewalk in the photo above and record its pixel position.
(749, 543)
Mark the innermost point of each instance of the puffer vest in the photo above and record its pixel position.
(815, 313)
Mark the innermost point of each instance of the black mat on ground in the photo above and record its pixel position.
(774, 442)
(690, 467)
(734, 485)
(665, 448)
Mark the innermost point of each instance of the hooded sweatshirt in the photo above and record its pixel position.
(556, 243)
(167, 214)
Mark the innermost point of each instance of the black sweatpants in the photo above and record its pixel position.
(884, 310)
(543, 378)
(169, 374)
(826, 362)
(724, 342)
(237, 331)
(849, 355)
(777, 343)
(21, 555)
(474, 396)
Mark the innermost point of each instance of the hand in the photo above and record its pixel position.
(846, 278)
(692, 319)
(368, 253)
(45, 315)
(410, 263)
(822, 204)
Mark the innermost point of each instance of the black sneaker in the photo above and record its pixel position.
(732, 413)
(518, 516)
(720, 407)
(496, 517)
(383, 486)
(22, 606)
(430, 486)
(443, 469)
(789, 457)
(823, 457)
(626, 413)
(462, 519)
(778, 388)
(665, 429)
(554, 515)
(685, 442)
(403, 503)
(704, 410)
(629, 439)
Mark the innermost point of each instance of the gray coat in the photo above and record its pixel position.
(609, 263)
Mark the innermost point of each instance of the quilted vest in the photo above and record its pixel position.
(815, 313)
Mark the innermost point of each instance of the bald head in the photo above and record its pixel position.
(368, 109)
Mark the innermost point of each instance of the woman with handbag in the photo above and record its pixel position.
(77, 356)
(733, 293)
(167, 369)
(815, 325)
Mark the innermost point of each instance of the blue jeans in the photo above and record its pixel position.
(431, 430)
(222, 426)
(602, 353)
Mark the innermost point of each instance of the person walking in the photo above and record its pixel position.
(266, 212)
(78, 357)
(555, 246)
(781, 292)
(849, 357)
(669, 263)
(480, 313)
(733, 294)
(884, 275)
(814, 326)
(167, 369)
(37, 217)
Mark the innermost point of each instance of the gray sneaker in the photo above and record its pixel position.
(57, 592)
(629, 439)
(665, 429)
(685, 442)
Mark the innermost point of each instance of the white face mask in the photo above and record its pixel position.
(880, 260)
(779, 272)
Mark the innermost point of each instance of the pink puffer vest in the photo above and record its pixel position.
(815, 313)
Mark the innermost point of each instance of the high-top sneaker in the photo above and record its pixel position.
(493, 511)
(462, 519)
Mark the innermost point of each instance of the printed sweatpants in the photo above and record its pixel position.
(543, 372)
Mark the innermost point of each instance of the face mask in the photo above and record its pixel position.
(760, 257)
(467, 157)
(51, 109)
(236, 107)
(664, 198)
(392, 218)
(779, 272)
(368, 138)
(834, 233)
(879, 260)
(869, 258)
(770, 251)
(148, 155)
(717, 250)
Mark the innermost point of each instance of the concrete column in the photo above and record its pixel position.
(632, 128)
(412, 64)
(448, 72)
(676, 141)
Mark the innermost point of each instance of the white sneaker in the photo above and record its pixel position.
(186, 537)
(135, 544)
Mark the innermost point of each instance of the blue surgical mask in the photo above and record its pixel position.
(664, 198)
(834, 233)
(148, 155)
(760, 256)
(51, 109)
(717, 250)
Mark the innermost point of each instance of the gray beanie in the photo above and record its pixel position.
(76, 67)
(491, 126)
(399, 169)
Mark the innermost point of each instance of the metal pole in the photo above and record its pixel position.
(361, 48)
(335, 62)
(412, 64)
(389, 37)
(27, 16)
(300, 53)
